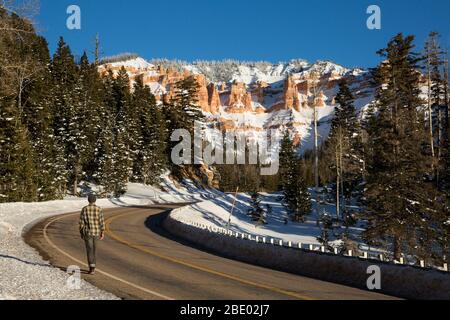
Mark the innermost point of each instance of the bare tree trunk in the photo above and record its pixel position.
(97, 50)
(316, 78)
(446, 97)
(316, 163)
(338, 173)
(75, 180)
(430, 113)
(341, 167)
(19, 97)
(397, 248)
(316, 151)
(439, 145)
(19, 101)
(439, 133)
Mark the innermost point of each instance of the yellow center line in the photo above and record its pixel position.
(52, 244)
(197, 267)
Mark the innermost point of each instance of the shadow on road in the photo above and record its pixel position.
(154, 224)
(64, 269)
(24, 261)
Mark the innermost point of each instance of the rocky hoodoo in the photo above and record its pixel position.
(202, 94)
(213, 98)
(250, 99)
(239, 97)
(320, 100)
(291, 98)
(173, 75)
(260, 110)
(166, 78)
(240, 100)
(304, 87)
(248, 102)
(333, 101)
(258, 91)
(297, 140)
(226, 124)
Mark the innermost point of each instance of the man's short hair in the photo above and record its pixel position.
(92, 198)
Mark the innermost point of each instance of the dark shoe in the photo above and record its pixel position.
(92, 271)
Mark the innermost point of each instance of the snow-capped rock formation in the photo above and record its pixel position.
(256, 97)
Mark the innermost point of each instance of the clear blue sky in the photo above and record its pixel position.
(243, 29)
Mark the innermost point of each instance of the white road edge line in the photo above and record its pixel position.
(98, 270)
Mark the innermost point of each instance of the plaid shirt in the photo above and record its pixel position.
(92, 222)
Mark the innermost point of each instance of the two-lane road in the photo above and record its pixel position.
(140, 260)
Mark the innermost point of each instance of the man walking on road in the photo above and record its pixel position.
(92, 228)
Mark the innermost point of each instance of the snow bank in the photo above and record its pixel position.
(215, 213)
(25, 275)
(398, 280)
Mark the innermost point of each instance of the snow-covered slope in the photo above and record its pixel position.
(248, 73)
(25, 275)
(215, 213)
(256, 97)
(137, 63)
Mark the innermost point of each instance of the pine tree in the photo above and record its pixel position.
(16, 162)
(114, 156)
(184, 109)
(83, 125)
(436, 103)
(326, 222)
(66, 110)
(399, 200)
(125, 139)
(344, 148)
(257, 212)
(296, 195)
(150, 160)
(182, 113)
(105, 171)
(285, 159)
(50, 171)
(446, 119)
(437, 72)
(29, 169)
(94, 112)
(444, 234)
(62, 123)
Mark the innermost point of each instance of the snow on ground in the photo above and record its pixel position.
(216, 212)
(25, 275)
(137, 63)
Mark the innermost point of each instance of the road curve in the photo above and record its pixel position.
(139, 260)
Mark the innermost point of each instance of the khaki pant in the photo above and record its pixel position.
(91, 243)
